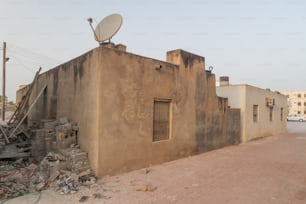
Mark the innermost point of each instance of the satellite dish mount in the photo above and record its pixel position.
(107, 28)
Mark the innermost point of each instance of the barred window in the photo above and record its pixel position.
(161, 120)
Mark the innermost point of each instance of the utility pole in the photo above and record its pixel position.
(3, 80)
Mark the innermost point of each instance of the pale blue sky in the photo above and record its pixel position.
(260, 42)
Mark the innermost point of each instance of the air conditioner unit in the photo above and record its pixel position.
(270, 102)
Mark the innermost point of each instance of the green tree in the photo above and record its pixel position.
(1, 98)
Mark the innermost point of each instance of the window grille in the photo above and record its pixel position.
(161, 120)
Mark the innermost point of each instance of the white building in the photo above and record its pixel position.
(296, 101)
(263, 112)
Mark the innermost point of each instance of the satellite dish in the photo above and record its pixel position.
(107, 28)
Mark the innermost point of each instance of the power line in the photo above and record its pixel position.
(22, 64)
(28, 51)
(33, 60)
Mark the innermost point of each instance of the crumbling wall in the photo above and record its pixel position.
(71, 92)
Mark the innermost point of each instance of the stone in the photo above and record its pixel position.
(40, 186)
(63, 120)
(54, 175)
(97, 195)
(49, 124)
(83, 199)
(74, 146)
(32, 166)
(85, 173)
(146, 170)
(79, 155)
(145, 187)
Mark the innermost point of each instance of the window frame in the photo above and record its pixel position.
(157, 123)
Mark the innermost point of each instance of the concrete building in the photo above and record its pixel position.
(134, 111)
(296, 102)
(263, 112)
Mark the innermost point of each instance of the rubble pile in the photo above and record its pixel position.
(52, 135)
(77, 158)
(64, 170)
(17, 178)
(53, 160)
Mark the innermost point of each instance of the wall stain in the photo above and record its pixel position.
(189, 59)
(200, 112)
(78, 68)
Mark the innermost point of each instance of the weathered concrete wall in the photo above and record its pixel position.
(200, 120)
(110, 93)
(72, 90)
(244, 97)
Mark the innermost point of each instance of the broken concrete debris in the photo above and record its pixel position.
(53, 160)
(66, 170)
(37, 138)
(58, 170)
(16, 178)
(53, 135)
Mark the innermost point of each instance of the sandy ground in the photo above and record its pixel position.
(269, 170)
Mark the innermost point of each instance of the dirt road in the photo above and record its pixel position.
(270, 170)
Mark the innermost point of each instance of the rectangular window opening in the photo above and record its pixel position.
(255, 113)
(161, 120)
(271, 113)
(282, 114)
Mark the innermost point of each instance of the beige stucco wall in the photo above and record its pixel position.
(244, 97)
(236, 99)
(110, 93)
(129, 85)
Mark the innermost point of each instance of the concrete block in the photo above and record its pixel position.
(79, 156)
(63, 120)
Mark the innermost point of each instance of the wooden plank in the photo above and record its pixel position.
(3, 132)
(25, 99)
(27, 113)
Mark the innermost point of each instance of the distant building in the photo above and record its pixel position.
(263, 112)
(296, 101)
